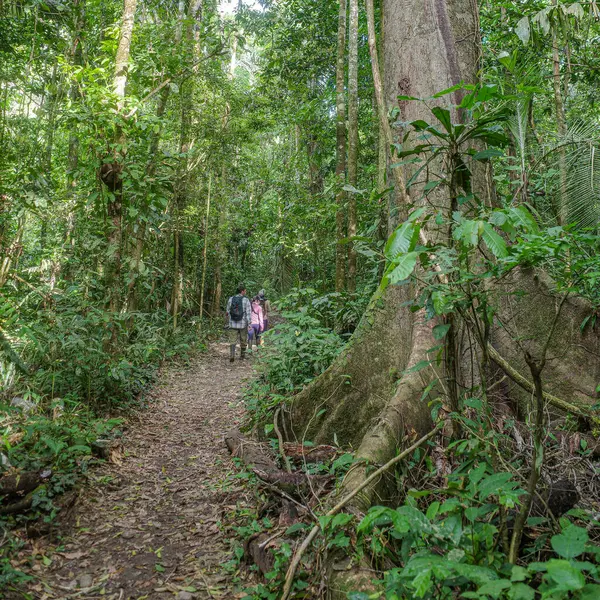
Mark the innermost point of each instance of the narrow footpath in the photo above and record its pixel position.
(147, 524)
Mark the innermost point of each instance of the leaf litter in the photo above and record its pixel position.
(147, 523)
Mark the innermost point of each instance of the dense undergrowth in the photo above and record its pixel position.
(447, 535)
(311, 330)
(71, 374)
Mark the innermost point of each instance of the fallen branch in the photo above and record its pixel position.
(257, 458)
(291, 572)
(19, 482)
(527, 385)
(19, 507)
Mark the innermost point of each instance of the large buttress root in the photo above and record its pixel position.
(341, 404)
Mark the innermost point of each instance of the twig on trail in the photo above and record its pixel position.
(263, 545)
(291, 572)
(86, 591)
(286, 460)
(275, 489)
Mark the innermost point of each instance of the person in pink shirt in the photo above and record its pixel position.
(257, 323)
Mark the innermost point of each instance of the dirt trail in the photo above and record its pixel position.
(148, 527)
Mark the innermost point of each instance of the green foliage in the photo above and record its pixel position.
(447, 539)
(295, 352)
(336, 310)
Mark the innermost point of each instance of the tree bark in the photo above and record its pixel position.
(182, 189)
(73, 153)
(115, 201)
(340, 164)
(352, 139)
(205, 249)
(561, 126)
(367, 400)
(123, 50)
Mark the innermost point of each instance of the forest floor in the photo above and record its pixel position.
(147, 524)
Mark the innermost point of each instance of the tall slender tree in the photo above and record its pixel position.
(352, 139)
(340, 149)
(112, 173)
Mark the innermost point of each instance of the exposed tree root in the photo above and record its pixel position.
(19, 482)
(406, 414)
(257, 457)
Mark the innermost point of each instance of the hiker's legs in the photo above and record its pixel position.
(250, 337)
(255, 335)
(232, 337)
(243, 338)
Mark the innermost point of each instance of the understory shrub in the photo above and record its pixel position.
(295, 352)
(336, 310)
(66, 367)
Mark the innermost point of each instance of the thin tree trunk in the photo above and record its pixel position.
(561, 126)
(352, 139)
(340, 167)
(124, 49)
(73, 152)
(182, 190)
(115, 203)
(400, 192)
(52, 103)
(205, 250)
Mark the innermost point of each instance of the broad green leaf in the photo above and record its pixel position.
(400, 242)
(494, 588)
(521, 591)
(353, 190)
(494, 242)
(521, 216)
(342, 519)
(571, 542)
(443, 116)
(574, 9)
(487, 154)
(591, 591)
(404, 266)
(416, 214)
(440, 331)
(494, 484)
(523, 30)
(566, 577)
(449, 90)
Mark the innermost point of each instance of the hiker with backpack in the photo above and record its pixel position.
(239, 313)
(256, 323)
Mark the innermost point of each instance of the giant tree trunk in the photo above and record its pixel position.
(429, 45)
(369, 397)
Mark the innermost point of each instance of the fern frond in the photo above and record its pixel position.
(575, 158)
(7, 349)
